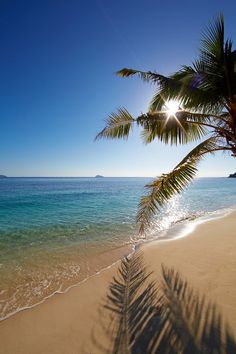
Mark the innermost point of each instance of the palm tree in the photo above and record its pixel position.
(206, 96)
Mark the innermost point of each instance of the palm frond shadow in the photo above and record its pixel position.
(142, 316)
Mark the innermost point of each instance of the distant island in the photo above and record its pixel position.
(2, 176)
(99, 176)
(233, 175)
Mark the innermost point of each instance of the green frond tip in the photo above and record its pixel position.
(212, 43)
(118, 125)
(151, 76)
(166, 186)
(161, 190)
(125, 72)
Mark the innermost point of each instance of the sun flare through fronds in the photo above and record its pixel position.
(171, 108)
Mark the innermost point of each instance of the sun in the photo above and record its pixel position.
(171, 107)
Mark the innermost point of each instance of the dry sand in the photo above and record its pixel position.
(64, 323)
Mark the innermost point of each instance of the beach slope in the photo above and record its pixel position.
(65, 323)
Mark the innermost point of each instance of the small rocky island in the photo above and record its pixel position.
(99, 176)
(2, 176)
(233, 175)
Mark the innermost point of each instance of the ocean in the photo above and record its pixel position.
(57, 232)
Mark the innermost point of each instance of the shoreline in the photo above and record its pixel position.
(183, 228)
(207, 258)
(80, 282)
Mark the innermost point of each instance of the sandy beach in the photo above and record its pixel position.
(65, 323)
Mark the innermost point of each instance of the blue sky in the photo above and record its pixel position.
(57, 82)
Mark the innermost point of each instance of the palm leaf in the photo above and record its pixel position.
(148, 76)
(177, 129)
(118, 125)
(190, 90)
(185, 86)
(212, 43)
(165, 187)
(203, 86)
(167, 85)
(161, 190)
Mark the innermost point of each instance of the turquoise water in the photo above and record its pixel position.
(55, 232)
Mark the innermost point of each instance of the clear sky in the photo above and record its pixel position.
(57, 81)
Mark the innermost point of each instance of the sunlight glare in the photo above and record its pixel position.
(172, 107)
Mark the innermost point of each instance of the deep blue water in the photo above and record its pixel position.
(51, 227)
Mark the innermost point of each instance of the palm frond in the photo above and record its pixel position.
(161, 190)
(190, 86)
(147, 76)
(176, 87)
(212, 43)
(218, 60)
(168, 85)
(177, 129)
(206, 84)
(208, 146)
(118, 125)
(190, 90)
(186, 85)
(166, 186)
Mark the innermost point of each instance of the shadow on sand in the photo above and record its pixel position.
(142, 316)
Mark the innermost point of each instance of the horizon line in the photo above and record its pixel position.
(5, 177)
